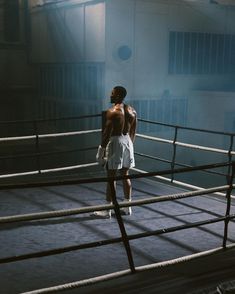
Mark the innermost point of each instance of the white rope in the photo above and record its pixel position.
(175, 196)
(68, 167)
(185, 144)
(180, 183)
(17, 138)
(155, 139)
(119, 274)
(183, 258)
(49, 170)
(87, 209)
(204, 148)
(49, 135)
(78, 284)
(138, 135)
(69, 133)
(56, 213)
(19, 174)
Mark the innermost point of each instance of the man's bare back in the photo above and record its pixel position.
(121, 118)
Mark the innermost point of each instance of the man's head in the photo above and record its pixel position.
(118, 94)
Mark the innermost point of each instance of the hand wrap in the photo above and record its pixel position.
(100, 156)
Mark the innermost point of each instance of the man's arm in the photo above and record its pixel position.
(106, 133)
(133, 126)
(107, 129)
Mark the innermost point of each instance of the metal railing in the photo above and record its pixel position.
(37, 137)
(175, 143)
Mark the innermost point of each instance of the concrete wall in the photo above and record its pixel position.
(68, 47)
(16, 74)
(94, 31)
(144, 26)
(71, 33)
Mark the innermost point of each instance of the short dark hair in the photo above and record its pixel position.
(122, 91)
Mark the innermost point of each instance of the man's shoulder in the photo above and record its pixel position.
(114, 109)
(130, 108)
(110, 112)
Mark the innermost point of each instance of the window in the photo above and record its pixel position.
(201, 53)
(172, 110)
(72, 81)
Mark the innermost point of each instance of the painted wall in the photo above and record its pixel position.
(144, 26)
(95, 31)
(68, 33)
(68, 48)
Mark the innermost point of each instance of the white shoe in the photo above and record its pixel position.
(126, 210)
(103, 213)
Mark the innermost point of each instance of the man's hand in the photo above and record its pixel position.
(100, 156)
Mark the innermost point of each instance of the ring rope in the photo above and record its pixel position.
(116, 178)
(57, 251)
(180, 183)
(47, 153)
(49, 119)
(69, 167)
(69, 133)
(87, 209)
(185, 144)
(43, 171)
(175, 261)
(176, 163)
(187, 128)
(78, 284)
(19, 174)
(112, 241)
(108, 277)
(48, 135)
(53, 214)
(180, 227)
(137, 135)
(99, 115)
(18, 138)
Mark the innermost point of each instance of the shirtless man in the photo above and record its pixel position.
(116, 149)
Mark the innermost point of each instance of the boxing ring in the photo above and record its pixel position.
(151, 220)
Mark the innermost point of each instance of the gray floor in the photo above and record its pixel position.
(34, 236)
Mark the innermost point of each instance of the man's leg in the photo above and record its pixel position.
(126, 184)
(107, 213)
(127, 189)
(110, 173)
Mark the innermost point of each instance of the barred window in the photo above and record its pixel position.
(82, 81)
(166, 110)
(201, 53)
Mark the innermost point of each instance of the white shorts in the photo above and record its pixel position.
(120, 152)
